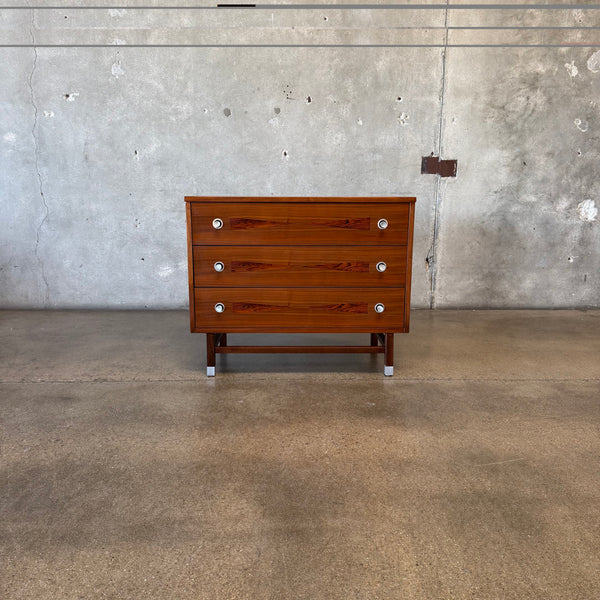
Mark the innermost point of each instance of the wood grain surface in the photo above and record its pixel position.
(299, 310)
(299, 224)
(299, 266)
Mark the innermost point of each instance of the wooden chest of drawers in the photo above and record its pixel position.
(291, 265)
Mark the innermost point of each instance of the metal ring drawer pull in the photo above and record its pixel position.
(381, 266)
(217, 223)
(219, 307)
(379, 307)
(219, 266)
(382, 224)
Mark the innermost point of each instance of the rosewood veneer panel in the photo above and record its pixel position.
(265, 266)
(299, 224)
(299, 310)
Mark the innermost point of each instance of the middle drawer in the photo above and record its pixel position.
(299, 266)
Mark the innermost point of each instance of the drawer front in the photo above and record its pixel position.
(295, 310)
(299, 224)
(299, 266)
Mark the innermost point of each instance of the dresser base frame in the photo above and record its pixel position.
(381, 343)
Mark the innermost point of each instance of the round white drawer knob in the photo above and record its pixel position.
(219, 266)
(379, 307)
(217, 223)
(382, 223)
(219, 307)
(381, 266)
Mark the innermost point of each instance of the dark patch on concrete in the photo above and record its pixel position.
(277, 110)
(227, 112)
(432, 165)
(429, 259)
(86, 502)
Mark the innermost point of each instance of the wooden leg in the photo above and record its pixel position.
(216, 343)
(389, 355)
(210, 354)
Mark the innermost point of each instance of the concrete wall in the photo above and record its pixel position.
(99, 145)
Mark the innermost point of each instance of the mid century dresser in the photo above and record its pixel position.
(299, 265)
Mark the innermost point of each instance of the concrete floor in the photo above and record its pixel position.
(474, 473)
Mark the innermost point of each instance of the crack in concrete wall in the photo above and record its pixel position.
(431, 259)
(37, 161)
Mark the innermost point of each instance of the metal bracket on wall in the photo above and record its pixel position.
(432, 165)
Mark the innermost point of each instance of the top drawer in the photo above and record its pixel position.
(299, 224)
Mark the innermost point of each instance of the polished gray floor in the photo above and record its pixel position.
(473, 473)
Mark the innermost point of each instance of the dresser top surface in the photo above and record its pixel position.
(304, 199)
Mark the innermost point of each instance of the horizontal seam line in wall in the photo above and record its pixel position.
(582, 45)
(300, 28)
(503, 27)
(327, 7)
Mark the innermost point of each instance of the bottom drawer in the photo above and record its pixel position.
(297, 310)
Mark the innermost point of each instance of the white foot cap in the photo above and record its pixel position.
(210, 371)
(388, 371)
